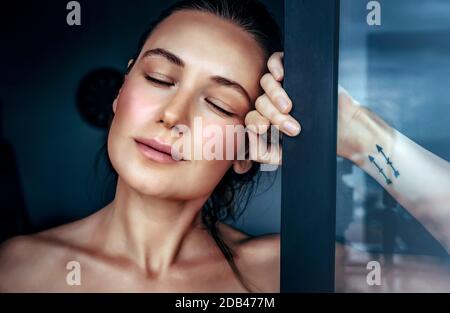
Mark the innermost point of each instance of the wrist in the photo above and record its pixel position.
(372, 131)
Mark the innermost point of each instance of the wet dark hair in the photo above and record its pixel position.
(231, 196)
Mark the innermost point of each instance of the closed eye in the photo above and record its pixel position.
(218, 108)
(159, 82)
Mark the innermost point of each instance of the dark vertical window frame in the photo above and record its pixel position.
(308, 198)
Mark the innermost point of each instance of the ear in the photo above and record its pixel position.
(114, 105)
(242, 166)
(129, 62)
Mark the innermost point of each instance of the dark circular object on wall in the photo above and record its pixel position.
(96, 93)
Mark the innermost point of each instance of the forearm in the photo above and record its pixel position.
(416, 178)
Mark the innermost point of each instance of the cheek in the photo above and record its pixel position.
(228, 136)
(136, 105)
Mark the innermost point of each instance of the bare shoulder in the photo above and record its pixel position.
(27, 262)
(261, 261)
(22, 261)
(258, 258)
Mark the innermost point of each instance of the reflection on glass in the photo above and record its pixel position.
(400, 70)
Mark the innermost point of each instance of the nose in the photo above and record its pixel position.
(176, 111)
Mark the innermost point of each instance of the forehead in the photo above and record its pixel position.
(211, 44)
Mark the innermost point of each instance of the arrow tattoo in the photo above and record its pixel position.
(388, 161)
(372, 160)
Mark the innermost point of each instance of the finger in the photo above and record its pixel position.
(276, 93)
(256, 122)
(275, 65)
(285, 122)
(263, 152)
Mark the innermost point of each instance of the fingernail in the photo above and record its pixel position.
(291, 127)
(282, 103)
(277, 73)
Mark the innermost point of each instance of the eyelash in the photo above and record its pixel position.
(159, 82)
(216, 107)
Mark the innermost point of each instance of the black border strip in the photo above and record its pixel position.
(308, 198)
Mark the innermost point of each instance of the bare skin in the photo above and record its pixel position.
(150, 237)
(37, 263)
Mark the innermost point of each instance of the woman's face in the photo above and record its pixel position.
(184, 72)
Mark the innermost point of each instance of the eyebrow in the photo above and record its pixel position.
(172, 58)
(232, 84)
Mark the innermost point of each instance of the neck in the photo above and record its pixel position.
(154, 232)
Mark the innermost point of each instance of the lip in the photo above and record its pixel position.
(155, 150)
